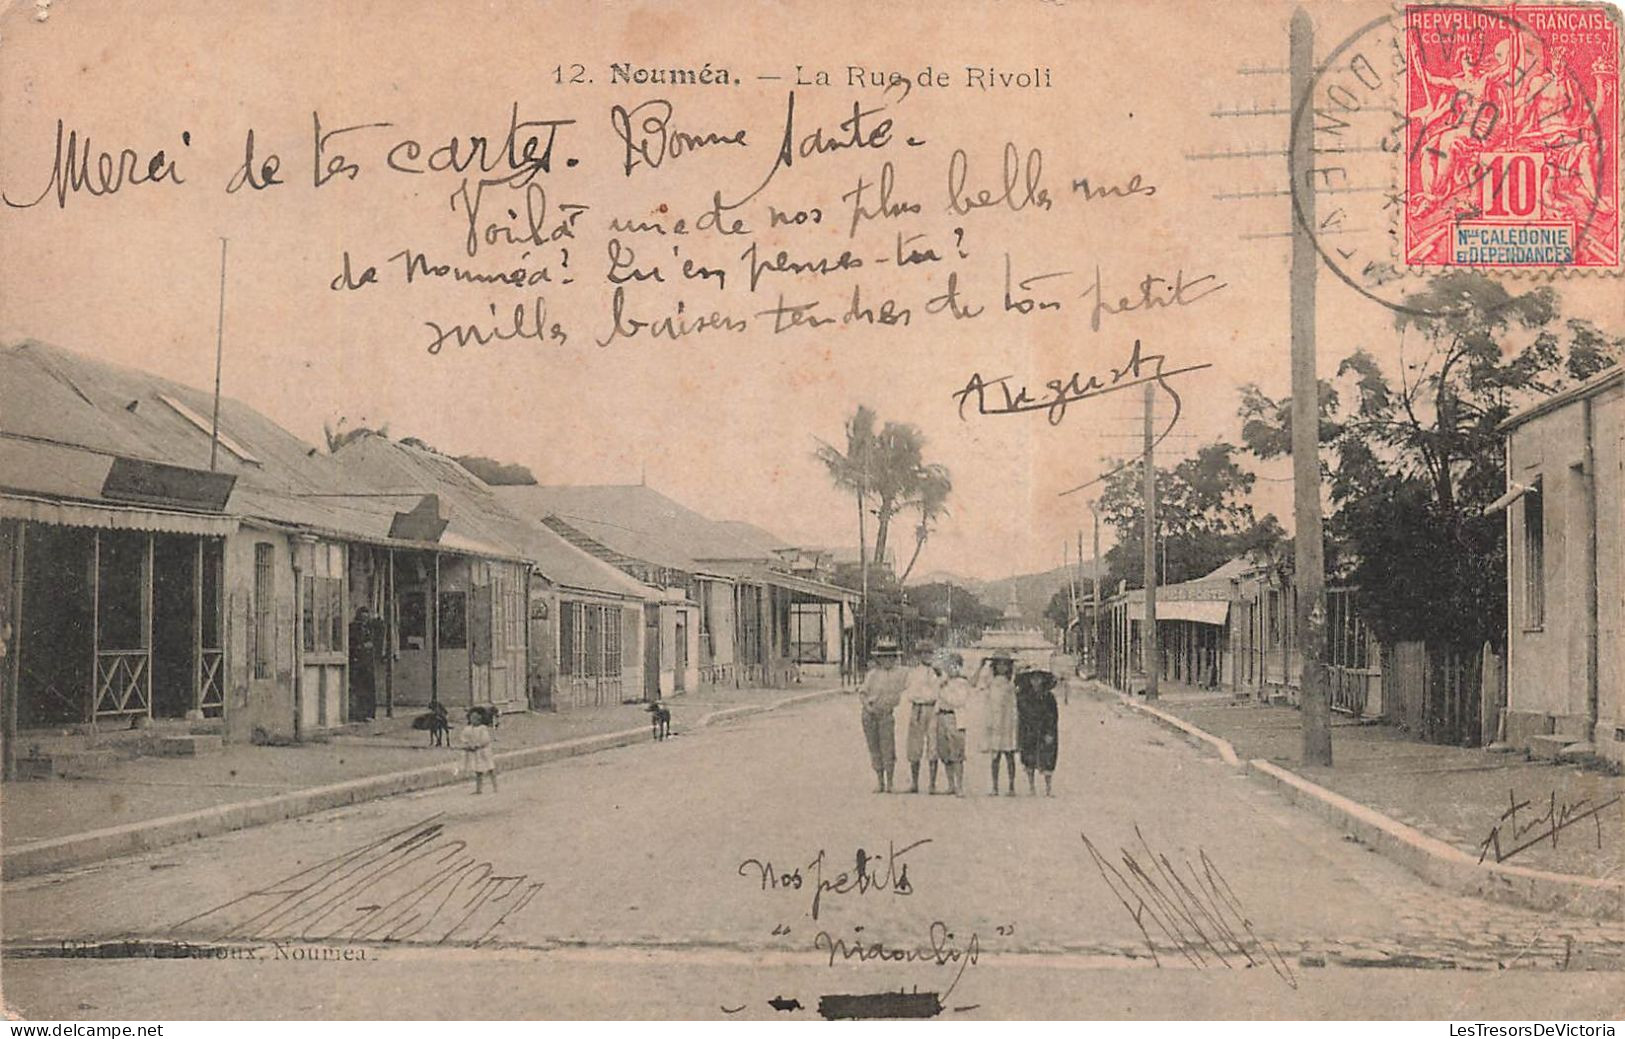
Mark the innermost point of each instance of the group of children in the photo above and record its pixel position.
(1019, 713)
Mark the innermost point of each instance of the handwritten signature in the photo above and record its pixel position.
(1557, 817)
(996, 397)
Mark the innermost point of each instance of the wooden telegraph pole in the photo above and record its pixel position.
(1148, 628)
(1094, 623)
(1309, 562)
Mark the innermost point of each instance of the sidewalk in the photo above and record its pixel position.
(1457, 795)
(149, 790)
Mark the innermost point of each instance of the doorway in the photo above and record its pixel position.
(174, 620)
(651, 653)
(55, 631)
(679, 680)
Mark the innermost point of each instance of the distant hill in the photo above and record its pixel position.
(1033, 591)
(970, 584)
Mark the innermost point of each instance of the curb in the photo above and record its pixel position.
(1437, 862)
(81, 849)
(1226, 751)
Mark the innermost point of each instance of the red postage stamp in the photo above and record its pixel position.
(1513, 136)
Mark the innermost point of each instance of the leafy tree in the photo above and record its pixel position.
(1203, 516)
(495, 473)
(1415, 454)
(967, 615)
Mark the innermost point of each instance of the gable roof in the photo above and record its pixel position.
(403, 474)
(639, 523)
(66, 417)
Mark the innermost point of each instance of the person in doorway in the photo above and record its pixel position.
(1037, 725)
(921, 694)
(999, 721)
(475, 741)
(879, 694)
(365, 652)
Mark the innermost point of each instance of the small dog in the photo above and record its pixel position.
(436, 723)
(659, 721)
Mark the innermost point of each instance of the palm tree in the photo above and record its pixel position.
(851, 469)
(932, 503)
(895, 476)
(851, 472)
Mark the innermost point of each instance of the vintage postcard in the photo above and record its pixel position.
(801, 510)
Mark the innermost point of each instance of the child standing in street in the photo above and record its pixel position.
(475, 741)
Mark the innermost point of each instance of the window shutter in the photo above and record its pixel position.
(479, 624)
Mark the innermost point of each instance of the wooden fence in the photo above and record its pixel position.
(1436, 693)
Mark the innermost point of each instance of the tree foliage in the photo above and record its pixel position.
(1416, 454)
(885, 470)
(1203, 516)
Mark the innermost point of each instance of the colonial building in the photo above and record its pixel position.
(518, 617)
(1565, 588)
(735, 613)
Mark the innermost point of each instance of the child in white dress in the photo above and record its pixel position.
(475, 741)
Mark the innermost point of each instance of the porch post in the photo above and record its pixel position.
(197, 630)
(389, 637)
(14, 645)
(434, 634)
(146, 617)
(95, 622)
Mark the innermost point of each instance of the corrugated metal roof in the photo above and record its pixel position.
(640, 523)
(82, 407)
(477, 516)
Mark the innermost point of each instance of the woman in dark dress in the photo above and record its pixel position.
(1037, 725)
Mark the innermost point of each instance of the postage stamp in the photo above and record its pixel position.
(1513, 132)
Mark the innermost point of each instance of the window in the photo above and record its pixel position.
(567, 638)
(499, 617)
(1534, 558)
(611, 625)
(262, 632)
(592, 648)
(807, 633)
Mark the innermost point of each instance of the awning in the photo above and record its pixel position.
(1516, 491)
(103, 517)
(805, 586)
(1197, 611)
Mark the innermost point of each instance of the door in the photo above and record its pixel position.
(324, 628)
(680, 668)
(651, 653)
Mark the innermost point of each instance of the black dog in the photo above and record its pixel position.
(659, 721)
(434, 720)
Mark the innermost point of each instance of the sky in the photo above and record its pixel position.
(726, 422)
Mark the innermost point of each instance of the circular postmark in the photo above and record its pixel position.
(1412, 126)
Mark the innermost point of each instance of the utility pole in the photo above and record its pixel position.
(219, 353)
(1308, 552)
(1094, 624)
(1078, 582)
(1148, 629)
